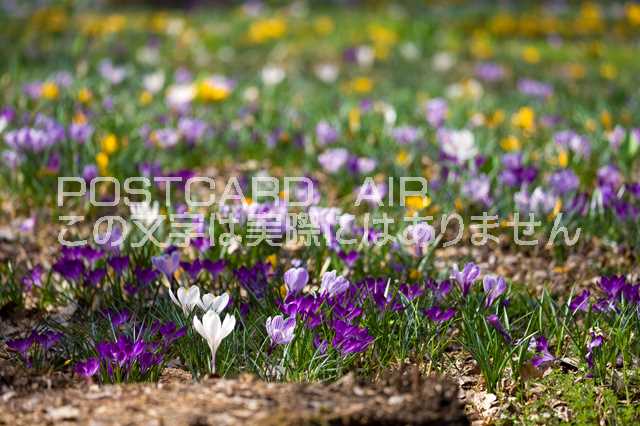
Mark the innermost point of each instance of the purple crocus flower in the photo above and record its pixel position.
(214, 267)
(612, 285)
(494, 321)
(534, 88)
(631, 293)
(405, 135)
(90, 254)
(333, 284)
(280, 330)
(609, 176)
(493, 287)
(80, 133)
(564, 181)
(541, 347)
(295, 279)
(439, 289)
(580, 302)
(332, 160)
(466, 277)
(596, 341)
(411, 291)
(20, 346)
(118, 318)
(145, 276)
(119, 263)
(616, 136)
(379, 290)
(325, 133)
(350, 339)
(192, 129)
(419, 235)
(192, 268)
(436, 111)
(70, 269)
(439, 315)
(33, 278)
(96, 276)
(350, 257)
(149, 360)
(87, 368)
(478, 189)
(170, 332)
(320, 344)
(489, 71)
(167, 263)
(255, 279)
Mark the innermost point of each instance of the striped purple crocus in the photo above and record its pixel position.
(280, 330)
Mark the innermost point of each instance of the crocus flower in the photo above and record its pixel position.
(534, 88)
(280, 330)
(325, 133)
(33, 277)
(48, 339)
(350, 257)
(439, 289)
(564, 181)
(214, 303)
(596, 341)
(478, 189)
(145, 275)
(187, 298)
(541, 347)
(192, 268)
(70, 269)
(493, 288)
(494, 321)
(419, 235)
(438, 315)
(213, 331)
(87, 368)
(350, 339)
(295, 279)
(405, 135)
(458, 145)
(466, 277)
(436, 111)
(580, 302)
(167, 263)
(119, 263)
(20, 346)
(612, 285)
(118, 318)
(332, 160)
(333, 284)
(489, 71)
(214, 267)
(411, 291)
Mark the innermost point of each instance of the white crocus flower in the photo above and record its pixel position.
(213, 331)
(188, 298)
(214, 303)
(272, 75)
(179, 95)
(153, 82)
(459, 144)
(145, 212)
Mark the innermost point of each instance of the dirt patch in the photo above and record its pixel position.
(404, 398)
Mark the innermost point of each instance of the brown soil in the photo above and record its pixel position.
(405, 398)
